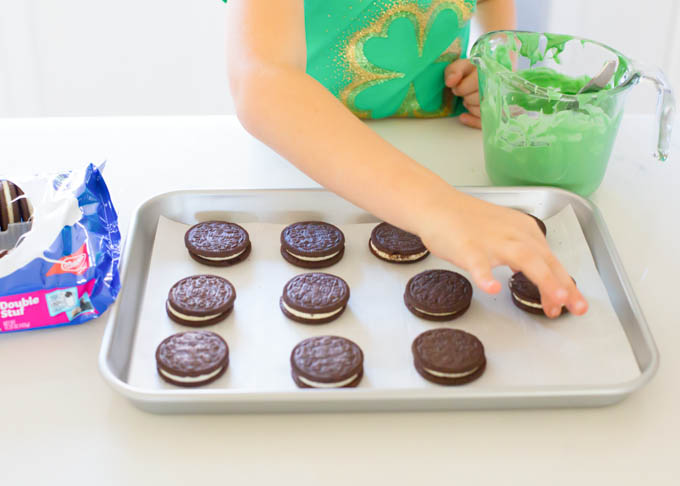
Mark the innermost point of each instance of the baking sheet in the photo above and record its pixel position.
(521, 349)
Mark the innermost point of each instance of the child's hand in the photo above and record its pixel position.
(476, 235)
(461, 77)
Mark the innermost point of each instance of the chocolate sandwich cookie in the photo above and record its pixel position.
(448, 356)
(327, 362)
(525, 294)
(200, 300)
(438, 295)
(394, 245)
(14, 206)
(217, 243)
(192, 358)
(312, 244)
(314, 298)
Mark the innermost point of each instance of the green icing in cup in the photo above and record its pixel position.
(536, 129)
(545, 77)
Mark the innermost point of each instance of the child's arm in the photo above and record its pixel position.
(496, 15)
(461, 75)
(288, 110)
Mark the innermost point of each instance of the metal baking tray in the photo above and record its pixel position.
(307, 204)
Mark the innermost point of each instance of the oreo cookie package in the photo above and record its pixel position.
(59, 249)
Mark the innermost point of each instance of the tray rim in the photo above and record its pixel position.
(614, 392)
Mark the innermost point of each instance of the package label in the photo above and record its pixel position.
(45, 308)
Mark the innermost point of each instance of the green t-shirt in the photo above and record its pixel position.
(386, 58)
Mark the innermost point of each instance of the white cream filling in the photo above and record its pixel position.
(316, 384)
(529, 304)
(8, 198)
(190, 379)
(450, 375)
(190, 318)
(312, 259)
(397, 258)
(305, 315)
(221, 259)
(437, 314)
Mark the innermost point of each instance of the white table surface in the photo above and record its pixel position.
(61, 423)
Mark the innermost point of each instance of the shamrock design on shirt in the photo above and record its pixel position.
(401, 69)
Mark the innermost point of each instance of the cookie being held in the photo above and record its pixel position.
(394, 245)
(314, 298)
(217, 243)
(200, 300)
(438, 295)
(312, 244)
(192, 358)
(525, 294)
(448, 356)
(327, 362)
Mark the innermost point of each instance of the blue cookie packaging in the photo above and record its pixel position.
(59, 249)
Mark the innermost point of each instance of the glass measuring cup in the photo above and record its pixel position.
(537, 129)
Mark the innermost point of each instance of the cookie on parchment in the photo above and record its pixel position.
(14, 206)
(217, 243)
(448, 356)
(525, 294)
(438, 295)
(327, 362)
(192, 358)
(314, 298)
(394, 245)
(200, 300)
(312, 244)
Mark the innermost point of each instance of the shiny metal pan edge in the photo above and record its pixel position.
(294, 204)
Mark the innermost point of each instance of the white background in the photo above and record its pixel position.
(158, 57)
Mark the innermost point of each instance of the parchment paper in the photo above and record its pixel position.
(521, 349)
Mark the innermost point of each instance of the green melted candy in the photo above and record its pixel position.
(550, 79)
(533, 134)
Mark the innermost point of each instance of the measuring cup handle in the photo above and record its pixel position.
(665, 110)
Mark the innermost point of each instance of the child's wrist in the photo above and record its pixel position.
(437, 208)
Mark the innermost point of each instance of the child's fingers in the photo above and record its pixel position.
(474, 110)
(480, 270)
(567, 294)
(576, 303)
(472, 99)
(470, 120)
(570, 296)
(574, 300)
(456, 71)
(467, 85)
(531, 262)
(452, 79)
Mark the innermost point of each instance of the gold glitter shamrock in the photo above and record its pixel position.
(415, 65)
